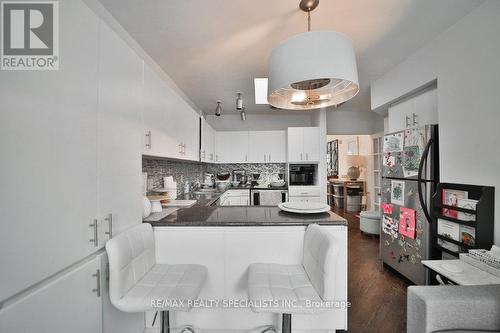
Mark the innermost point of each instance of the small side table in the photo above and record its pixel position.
(468, 276)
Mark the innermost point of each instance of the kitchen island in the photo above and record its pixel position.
(227, 240)
(217, 216)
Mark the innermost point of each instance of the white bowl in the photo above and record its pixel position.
(278, 183)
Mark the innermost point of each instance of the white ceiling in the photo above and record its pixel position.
(214, 48)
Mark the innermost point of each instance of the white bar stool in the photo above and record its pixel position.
(138, 284)
(296, 288)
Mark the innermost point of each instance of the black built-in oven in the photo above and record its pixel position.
(302, 174)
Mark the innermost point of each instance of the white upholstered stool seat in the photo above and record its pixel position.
(305, 288)
(287, 285)
(137, 283)
(178, 283)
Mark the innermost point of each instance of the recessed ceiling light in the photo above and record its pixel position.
(260, 85)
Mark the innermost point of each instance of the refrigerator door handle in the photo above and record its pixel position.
(425, 154)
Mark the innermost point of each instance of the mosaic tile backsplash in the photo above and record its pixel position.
(192, 172)
(182, 171)
(249, 168)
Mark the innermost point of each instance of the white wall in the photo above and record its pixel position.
(319, 119)
(258, 122)
(365, 149)
(353, 122)
(465, 60)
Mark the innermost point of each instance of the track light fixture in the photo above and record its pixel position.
(218, 109)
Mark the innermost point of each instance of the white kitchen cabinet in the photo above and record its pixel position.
(416, 111)
(304, 198)
(49, 178)
(267, 147)
(119, 136)
(311, 143)
(303, 144)
(171, 126)
(185, 124)
(231, 147)
(207, 153)
(157, 111)
(114, 320)
(69, 303)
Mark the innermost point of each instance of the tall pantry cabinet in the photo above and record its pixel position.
(76, 137)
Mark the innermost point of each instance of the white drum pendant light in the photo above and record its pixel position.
(312, 70)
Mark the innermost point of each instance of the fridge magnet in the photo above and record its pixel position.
(397, 192)
(414, 137)
(390, 226)
(448, 229)
(387, 208)
(393, 142)
(411, 160)
(450, 198)
(467, 204)
(407, 222)
(389, 160)
(413, 260)
(387, 224)
(468, 235)
(404, 258)
(393, 255)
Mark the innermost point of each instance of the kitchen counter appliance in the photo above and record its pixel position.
(267, 197)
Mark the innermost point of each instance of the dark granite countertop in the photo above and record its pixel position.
(200, 216)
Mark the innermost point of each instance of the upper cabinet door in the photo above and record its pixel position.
(311, 144)
(207, 153)
(231, 147)
(258, 142)
(119, 135)
(295, 144)
(267, 146)
(276, 146)
(49, 159)
(158, 116)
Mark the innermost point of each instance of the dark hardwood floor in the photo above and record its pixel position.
(377, 295)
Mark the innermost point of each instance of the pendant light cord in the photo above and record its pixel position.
(309, 21)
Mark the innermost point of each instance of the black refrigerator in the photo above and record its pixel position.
(410, 172)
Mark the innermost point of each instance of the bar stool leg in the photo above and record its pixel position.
(286, 324)
(165, 322)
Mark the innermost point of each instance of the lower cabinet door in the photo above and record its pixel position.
(69, 303)
(114, 320)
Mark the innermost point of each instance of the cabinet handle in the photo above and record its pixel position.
(307, 157)
(148, 140)
(217, 158)
(407, 118)
(184, 149)
(264, 157)
(246, 158)
(269, 159)
(97, 275)
(301, 156)
(94, 240)
(109, 219)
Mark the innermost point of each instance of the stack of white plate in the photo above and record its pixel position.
(309, 207)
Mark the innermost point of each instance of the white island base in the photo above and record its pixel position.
(227, 251)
